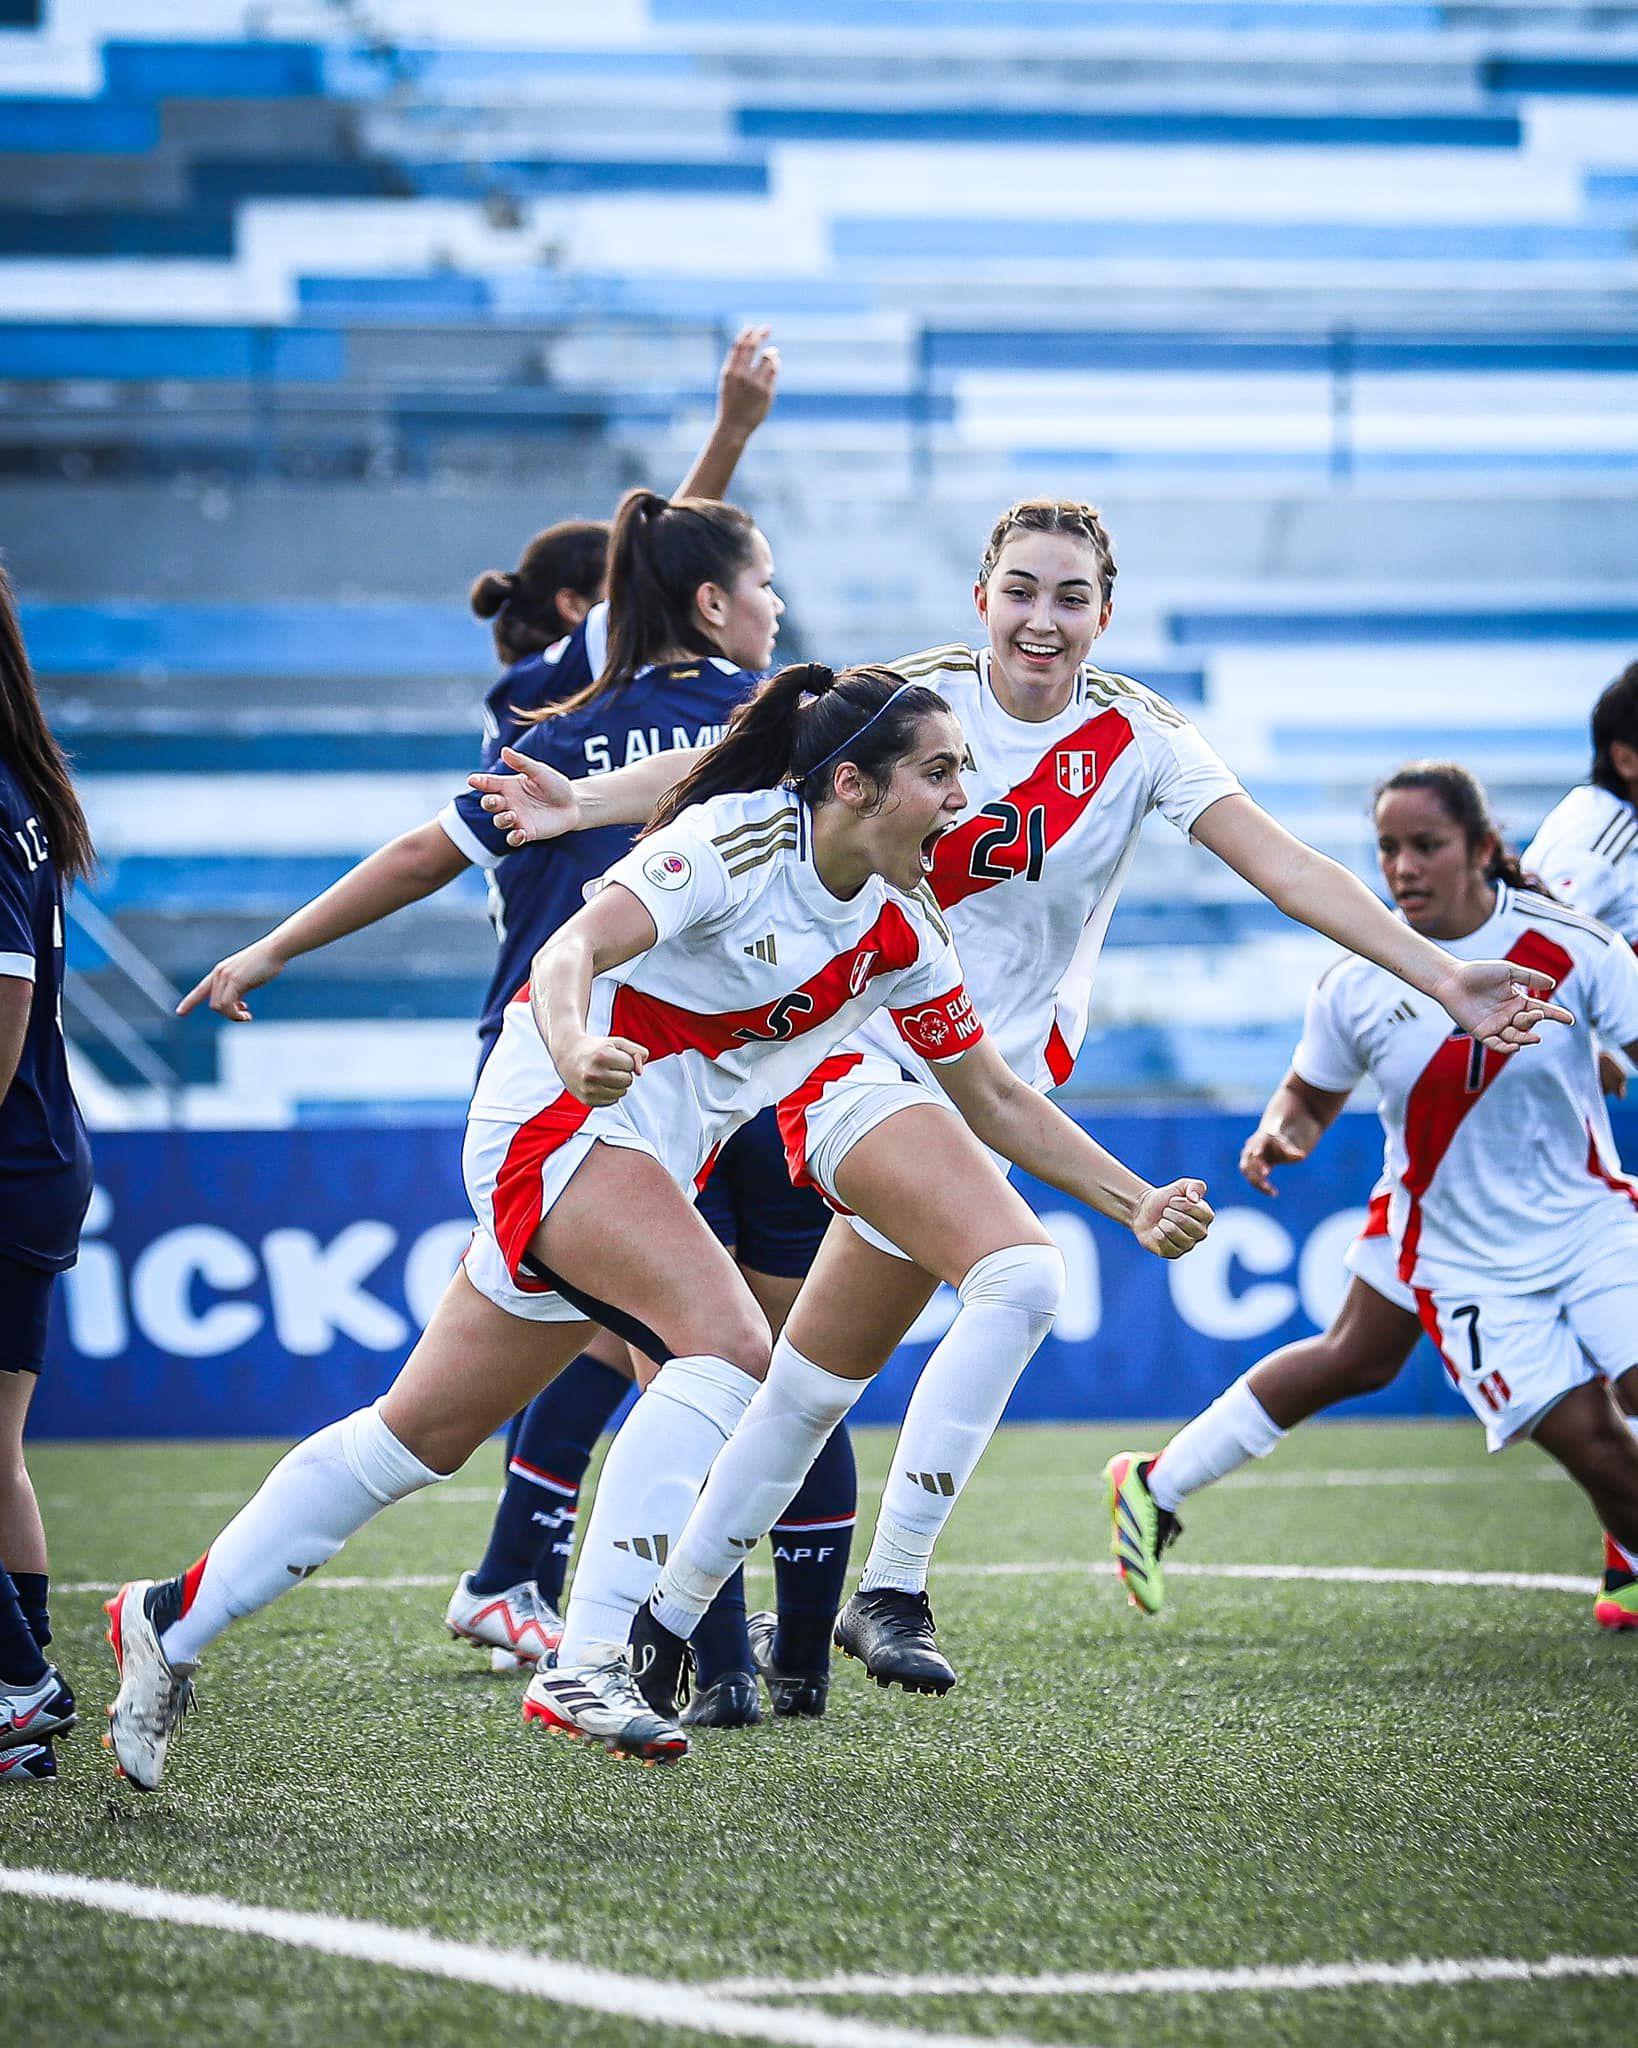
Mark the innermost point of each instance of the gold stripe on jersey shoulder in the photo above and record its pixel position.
(754, 828)
(935, 916)
(953, 658)
(1105, 688)
(742, 862)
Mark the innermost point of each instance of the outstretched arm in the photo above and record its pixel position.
(745, 392)
(1498, 1002)
(415, 865)
(1035, 1134)
(1297, 1117)
(535, 802)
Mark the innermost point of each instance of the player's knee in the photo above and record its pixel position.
(747, 1343)
(1027, 1277)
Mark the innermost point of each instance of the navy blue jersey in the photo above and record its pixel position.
(45, 1162)
(565, 668)
(534, 889)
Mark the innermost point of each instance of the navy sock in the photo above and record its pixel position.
(720, 1642)
(534, 1523)
(32, 1591)
(20, 1659)
(812, 1541)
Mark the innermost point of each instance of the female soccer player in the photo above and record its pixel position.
(45, 1176)
(1506, 1222)
(1065, 762)
(1586, 850)
(657, 1021)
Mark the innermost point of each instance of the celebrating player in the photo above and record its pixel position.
(1584, 850)
(659, 1020)
(1065, 762)
(45, 1176)
(1506, 1223)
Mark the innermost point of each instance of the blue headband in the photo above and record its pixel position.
(853, 739)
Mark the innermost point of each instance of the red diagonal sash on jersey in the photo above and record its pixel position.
(1448, 1087)
(997, 844)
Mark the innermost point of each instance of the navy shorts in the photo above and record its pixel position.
(750, 1204)
(25, 1315)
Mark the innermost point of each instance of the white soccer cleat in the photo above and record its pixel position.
(517, 1622)
(153, 1693)
(601, 1702)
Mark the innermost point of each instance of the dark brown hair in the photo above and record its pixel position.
(798, 725)
(573, 555)
(660, 552)
(1461, 797)
(1615, 717)
(33, 756)
(1054, 515)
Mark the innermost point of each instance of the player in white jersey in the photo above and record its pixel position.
(1064, 763)
(1507, 1224)
(1586, 849)
(737, 943)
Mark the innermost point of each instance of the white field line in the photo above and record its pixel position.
(1316, 1574)
(1184, 1983)
(669, 2008)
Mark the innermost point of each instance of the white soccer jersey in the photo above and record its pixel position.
(1502, 1170)
(1029, 878)
(1586, 851)
(758, 971)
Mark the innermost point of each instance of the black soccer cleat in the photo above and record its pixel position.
(661, 1663)
(800, 1694)
(892, 1634)
(730, 1702)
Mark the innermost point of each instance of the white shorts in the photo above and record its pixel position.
(1515, 1356)
(1373, 1258)
(841, 1101)
(514, 1174)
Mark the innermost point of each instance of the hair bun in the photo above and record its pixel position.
(491, 590)
(817, 679)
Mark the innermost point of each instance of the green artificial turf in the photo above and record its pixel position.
(1269, 1773)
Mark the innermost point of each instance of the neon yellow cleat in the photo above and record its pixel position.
(1617, 1602)
(1139, 1529)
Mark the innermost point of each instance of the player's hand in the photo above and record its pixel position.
(598, 1071)
(1500, 1003)
(745, 390)
(531, 804)
(1172, 1220)
(1612, 1076)
(1262, 1152)
(230, 980)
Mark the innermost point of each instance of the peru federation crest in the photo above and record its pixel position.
(1077, 771)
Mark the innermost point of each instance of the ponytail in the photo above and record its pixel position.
(522, 602)
(1461, 796)
(660, 552)
(33, 756)
(798, 726)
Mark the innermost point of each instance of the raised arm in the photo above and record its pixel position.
(1498, 1002)
(410, 867)
(745, 391)
(1297, 1116)
(1036, 1135)
(612, 929)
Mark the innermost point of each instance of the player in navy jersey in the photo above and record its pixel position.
(45, 1176)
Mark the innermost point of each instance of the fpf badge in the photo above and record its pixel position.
(1077, 771)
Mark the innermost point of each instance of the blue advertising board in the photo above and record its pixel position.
(260, 1283)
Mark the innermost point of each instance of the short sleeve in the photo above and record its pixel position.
(16, 911)
(1186, 774)
(1588, 883)
(471, 829)
(1328, 1055)
(930, 1007)
(1613, 1009)
(677, 875)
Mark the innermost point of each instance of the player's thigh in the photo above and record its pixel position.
(622, 1231)
(474, 1367)
(856, 1304)
(923, 1180)
(1588, 1435)
(1371, 1337)
(1512, 1357)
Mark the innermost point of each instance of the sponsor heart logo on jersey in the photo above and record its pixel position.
(1077, 770)
(667, 870)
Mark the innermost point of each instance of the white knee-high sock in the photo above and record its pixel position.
(656, 1467)
(1218, 1441)
(1008, 1301)
(306, 1508)
(757, 1476)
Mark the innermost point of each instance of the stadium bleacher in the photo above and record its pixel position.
(1333, 304)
